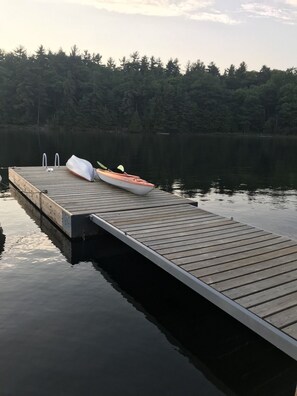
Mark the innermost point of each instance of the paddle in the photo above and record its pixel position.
(119, 169)
(102, 166)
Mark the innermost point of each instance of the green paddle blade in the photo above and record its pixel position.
(121, 168)
(102, 166)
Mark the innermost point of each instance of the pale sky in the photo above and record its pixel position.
(225, 32)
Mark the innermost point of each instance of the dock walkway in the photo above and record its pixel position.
(249, 273)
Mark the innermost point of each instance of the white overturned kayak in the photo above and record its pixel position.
(127, 182)
(81, 167)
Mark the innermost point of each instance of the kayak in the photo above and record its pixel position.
(81, 168)
(128, 182)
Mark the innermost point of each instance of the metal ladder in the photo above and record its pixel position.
(56, 161)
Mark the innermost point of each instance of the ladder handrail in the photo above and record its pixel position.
(57, 160)
(44, 160)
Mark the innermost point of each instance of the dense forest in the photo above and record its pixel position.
(142, 94)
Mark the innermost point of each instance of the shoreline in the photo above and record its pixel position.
(47, 130)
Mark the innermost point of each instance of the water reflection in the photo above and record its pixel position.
(193, 164)
(232, 357)
(4, 183)
(2, 241)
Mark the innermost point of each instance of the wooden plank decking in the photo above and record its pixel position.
(249, 273)
(68, 200)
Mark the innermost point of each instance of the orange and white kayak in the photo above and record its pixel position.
(128, 182)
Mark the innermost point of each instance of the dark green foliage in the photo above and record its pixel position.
(143, 95)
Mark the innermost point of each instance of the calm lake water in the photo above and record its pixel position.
(95, 318)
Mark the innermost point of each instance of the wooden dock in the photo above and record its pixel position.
(249, 273)
(68, 200)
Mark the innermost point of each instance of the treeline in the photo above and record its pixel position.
(142, 94)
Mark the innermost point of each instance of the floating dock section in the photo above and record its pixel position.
(249, 273)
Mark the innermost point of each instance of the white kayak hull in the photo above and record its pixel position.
(132, 184)
(81, 168)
